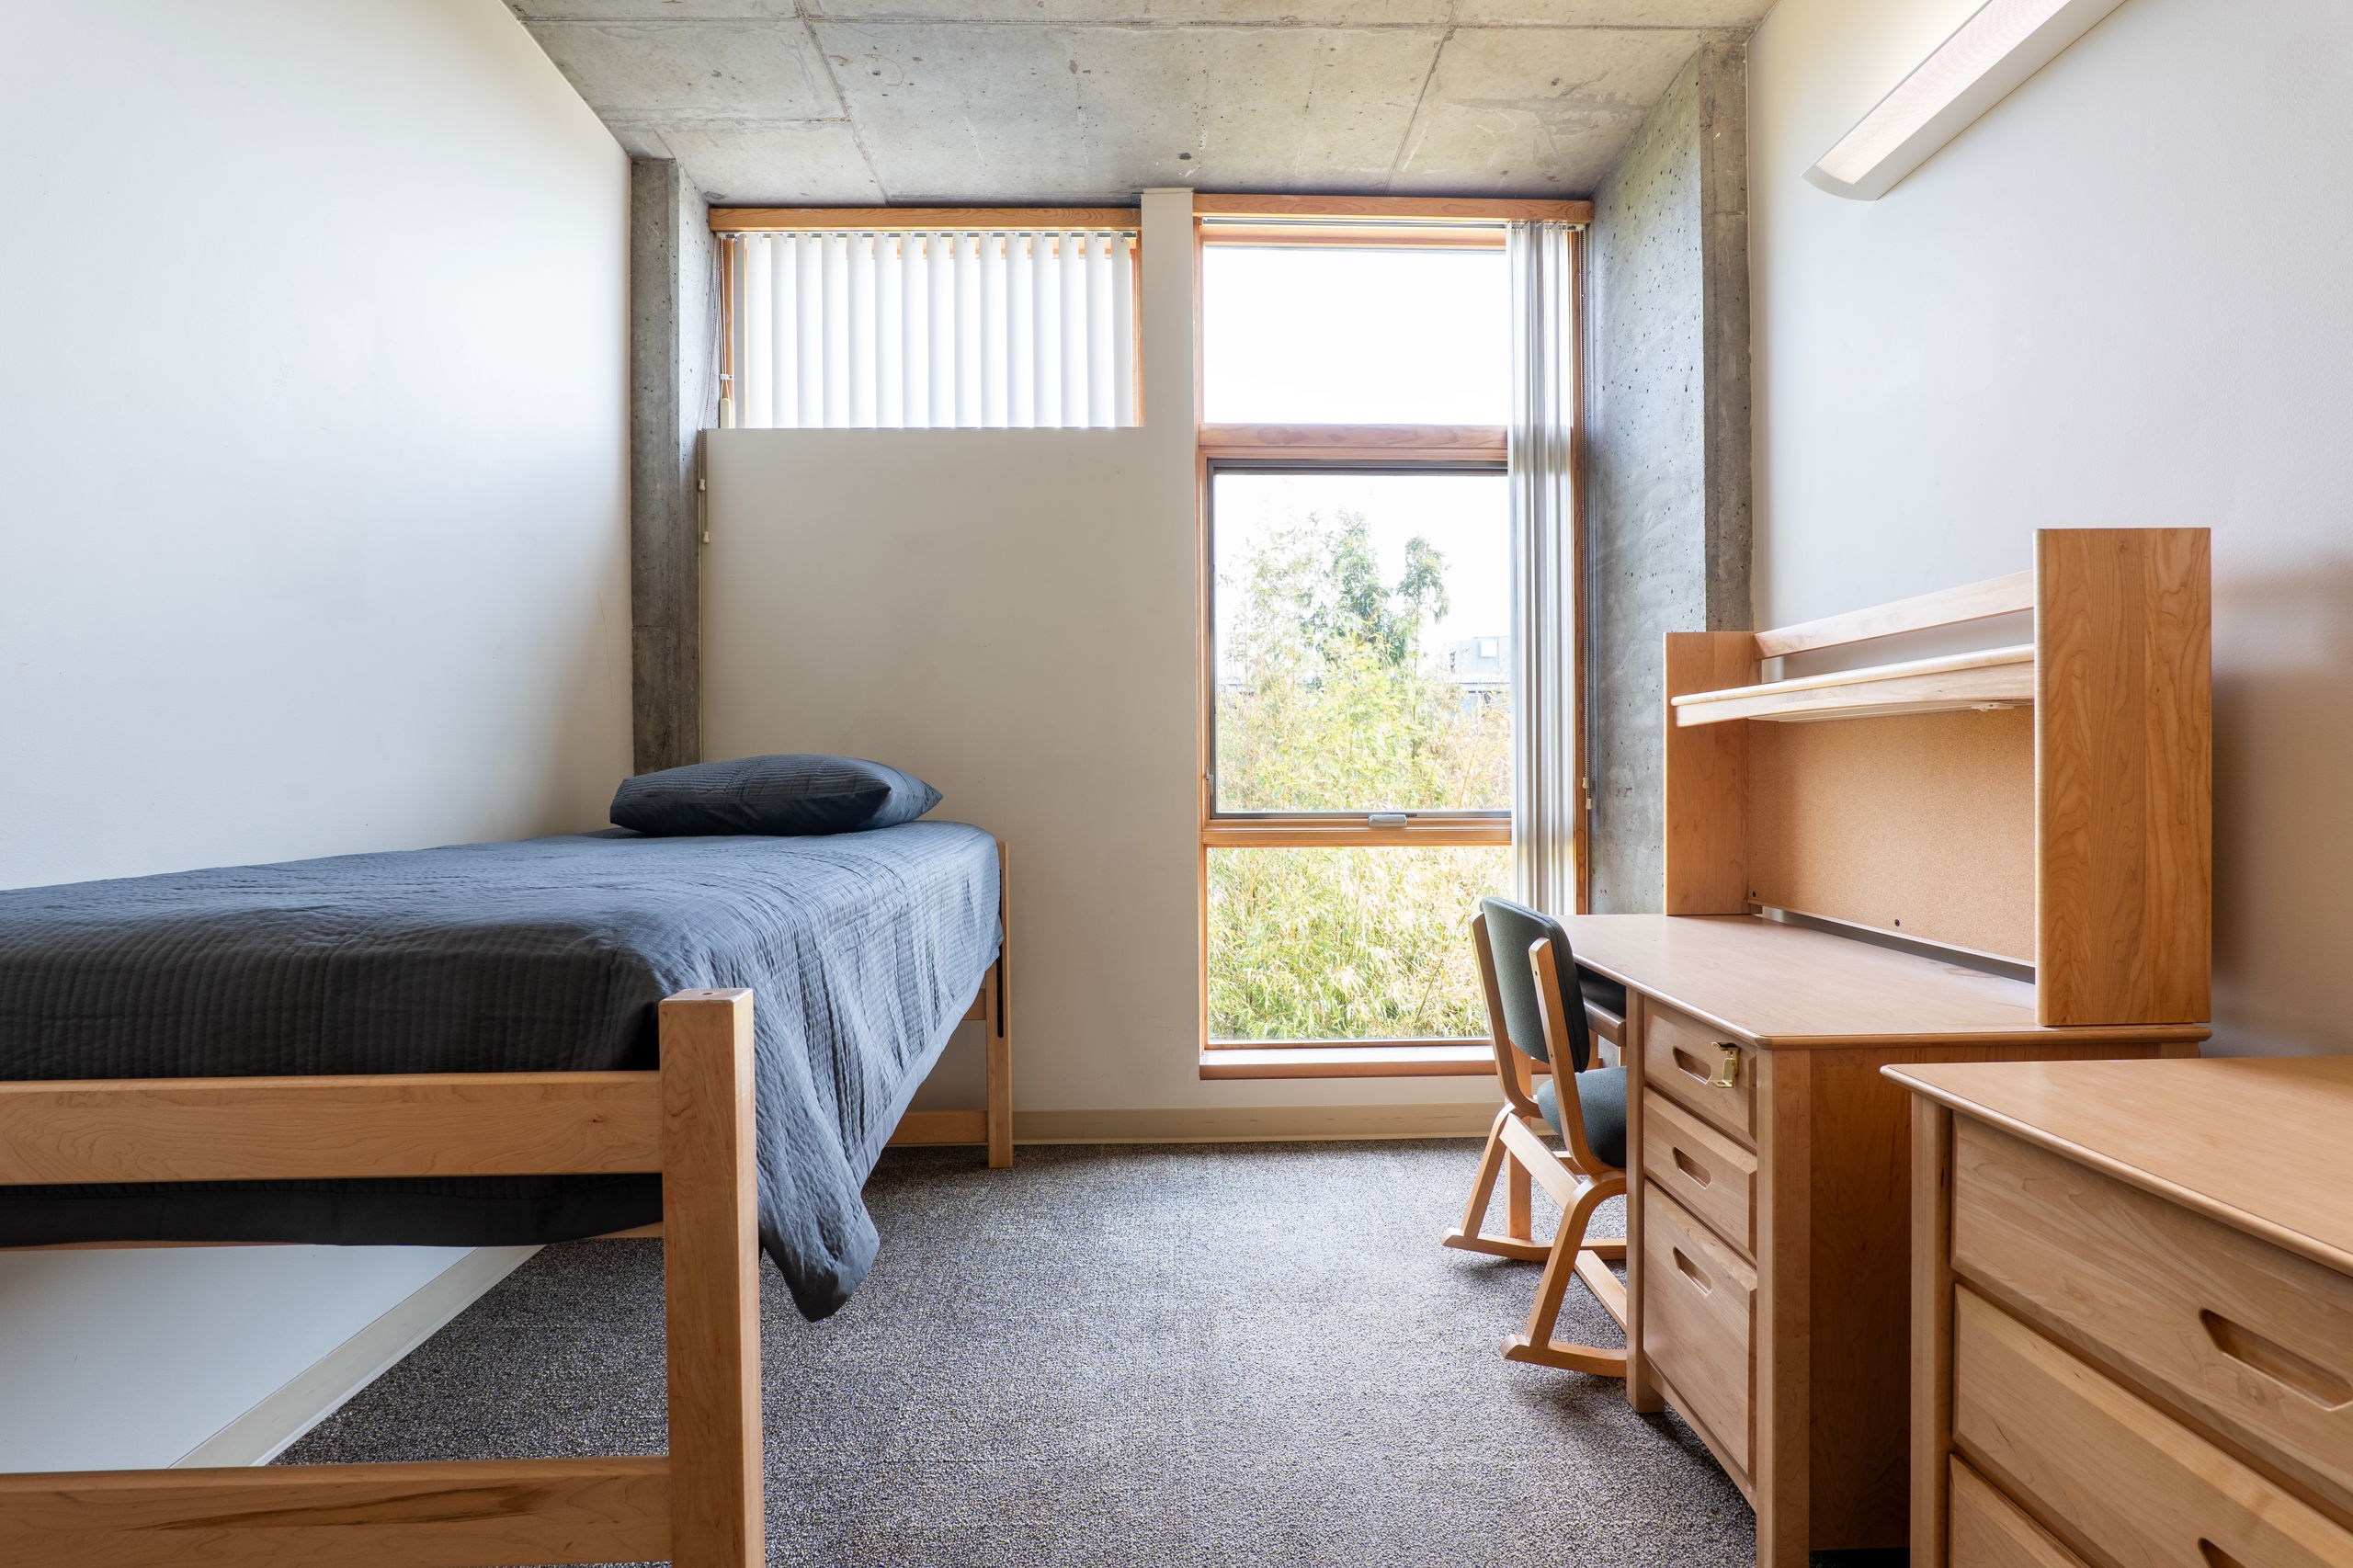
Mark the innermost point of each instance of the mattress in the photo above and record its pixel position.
(862, 951)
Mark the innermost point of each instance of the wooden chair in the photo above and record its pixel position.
(1538, 1023)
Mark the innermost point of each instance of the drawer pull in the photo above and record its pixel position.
(1691, 1272)
(2328, 1389)
(1693, 1169)
(2215, 1556)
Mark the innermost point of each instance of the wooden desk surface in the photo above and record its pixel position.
(2258, 1142)
(1785, 986)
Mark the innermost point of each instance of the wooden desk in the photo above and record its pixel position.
(1770, 1206)
(2134, 1313)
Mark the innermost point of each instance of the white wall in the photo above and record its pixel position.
(312, 539)
(315, 516)
(2119, 298)
(1010, 614)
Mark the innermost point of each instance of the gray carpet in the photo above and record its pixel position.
(1235, 1355)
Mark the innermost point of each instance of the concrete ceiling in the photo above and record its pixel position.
(770, 102)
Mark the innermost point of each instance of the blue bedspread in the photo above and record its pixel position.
(862, 950)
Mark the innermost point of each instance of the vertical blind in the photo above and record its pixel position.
(1547, 792)
(913, 331)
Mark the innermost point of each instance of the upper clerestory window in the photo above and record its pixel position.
(931, 318)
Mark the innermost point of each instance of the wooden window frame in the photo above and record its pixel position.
(1392, 209)
(917, 220)
(1344, 448)
(1380, 222)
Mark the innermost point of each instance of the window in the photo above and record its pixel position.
(1358, 682)
(1360, 779)
(1345, 603)
(930, 320)
(1314, 335)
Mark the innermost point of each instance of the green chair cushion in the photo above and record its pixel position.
(1601, 1095)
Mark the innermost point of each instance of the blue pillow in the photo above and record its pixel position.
(789, 797)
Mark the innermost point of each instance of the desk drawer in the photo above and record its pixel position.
(2254, 1339)
(1702, 1169)
(1686, 1059)
(1699, 1300)
(2139, 1487)
(1987, 1530)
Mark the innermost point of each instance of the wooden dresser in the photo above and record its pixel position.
(2133, 1315)
(1766, 1229)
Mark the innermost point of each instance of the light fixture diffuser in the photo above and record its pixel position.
(1999, 47)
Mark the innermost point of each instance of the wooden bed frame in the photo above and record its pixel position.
(992, 1007)
(697, 1506)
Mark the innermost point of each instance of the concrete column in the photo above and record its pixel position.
(1667, 520)
(674, 321)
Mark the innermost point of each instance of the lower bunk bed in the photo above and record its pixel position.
(491, 1044)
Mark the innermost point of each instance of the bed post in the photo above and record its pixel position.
(710, 1245)
(1000, 1041)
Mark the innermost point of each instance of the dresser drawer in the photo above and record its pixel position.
(1987, 1530)
(1688, 1061)
(1702, 1169)
(1699, 1300)
(2136, 1486)
(2253, 1339)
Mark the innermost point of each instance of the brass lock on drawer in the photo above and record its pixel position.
(1727, 1073)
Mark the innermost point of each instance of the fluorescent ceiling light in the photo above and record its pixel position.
(2001, 46)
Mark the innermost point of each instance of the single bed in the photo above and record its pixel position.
(864, 951)
(489, 1043)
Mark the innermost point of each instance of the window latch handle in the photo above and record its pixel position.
(1385, 819)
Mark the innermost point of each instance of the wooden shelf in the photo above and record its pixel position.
(1999, 677)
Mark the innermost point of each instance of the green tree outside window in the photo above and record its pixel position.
(1328, 702)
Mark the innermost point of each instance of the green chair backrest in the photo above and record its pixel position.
(1512, 929)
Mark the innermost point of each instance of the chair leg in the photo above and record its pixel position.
(1537, 1345)
(1472, 1235)
(1519, 1220)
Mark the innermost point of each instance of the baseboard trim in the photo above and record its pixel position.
(1252, 1124)
(261, 1434)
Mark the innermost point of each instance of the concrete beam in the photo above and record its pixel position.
(674, 320)
(1080, 101)
(1667, 481)
(1073, 113)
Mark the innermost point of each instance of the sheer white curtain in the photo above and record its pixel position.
(908, 331)
(1547, 793)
